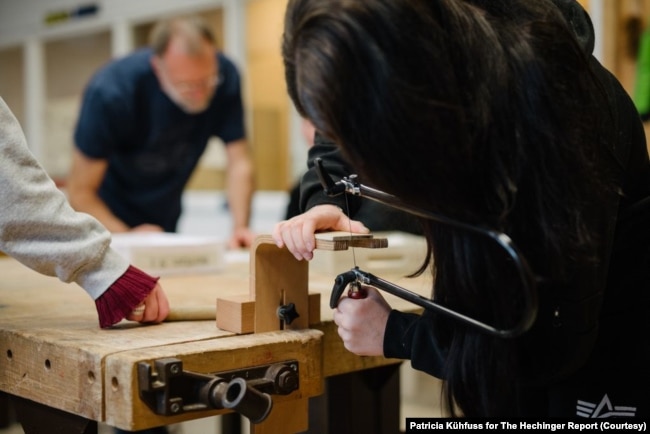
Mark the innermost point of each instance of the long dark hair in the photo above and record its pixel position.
(481, 110)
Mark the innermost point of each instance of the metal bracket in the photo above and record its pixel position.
(169, 390)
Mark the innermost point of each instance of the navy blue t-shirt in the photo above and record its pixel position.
(152, 146)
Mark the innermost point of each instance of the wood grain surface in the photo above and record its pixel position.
(52, 350)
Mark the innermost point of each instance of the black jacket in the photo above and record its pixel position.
(376, 216)
(590, 344)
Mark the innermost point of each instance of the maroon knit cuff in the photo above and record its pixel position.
(123, 296)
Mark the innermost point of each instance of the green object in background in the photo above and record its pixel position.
(60, 16)
(641, 95)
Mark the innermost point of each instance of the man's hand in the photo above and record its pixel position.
(241, 238)
(147, 227)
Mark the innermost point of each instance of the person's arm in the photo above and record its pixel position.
(37, 225)
(84, 179)
(412, 337)
(86, 175)
(40, 229)
(106, 121)
(135, 296)
(311, 189)
(369, 327)
(319, 211)
(240, 187)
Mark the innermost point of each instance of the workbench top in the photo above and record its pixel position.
(52, 350)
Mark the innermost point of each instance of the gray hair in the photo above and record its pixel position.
(191, 30)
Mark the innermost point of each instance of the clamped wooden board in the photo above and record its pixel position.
(345, 240)
(279, 286)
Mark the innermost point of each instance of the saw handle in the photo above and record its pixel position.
(357, 291)
(342, 281)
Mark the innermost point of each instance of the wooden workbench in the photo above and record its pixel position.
(53, 355)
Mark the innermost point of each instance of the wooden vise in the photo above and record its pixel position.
(278, 295)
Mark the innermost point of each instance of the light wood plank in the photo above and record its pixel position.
(277, 278)
(340, 240)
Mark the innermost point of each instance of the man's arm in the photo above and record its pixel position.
(240, 186)
(83, 184)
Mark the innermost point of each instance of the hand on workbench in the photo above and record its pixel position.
(146, 227)
(297, 233)
(156, 307)
(362, 322)
(240, 238)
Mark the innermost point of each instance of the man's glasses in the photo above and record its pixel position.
(350, 185)
(186, 86)
(207, 83)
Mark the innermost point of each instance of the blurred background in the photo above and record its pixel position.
(50, 48)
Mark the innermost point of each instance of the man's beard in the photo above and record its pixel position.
(189, 107)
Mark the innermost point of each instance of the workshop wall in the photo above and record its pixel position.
(49, 49)
(625, 22)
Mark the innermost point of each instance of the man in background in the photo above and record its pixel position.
(144, 123)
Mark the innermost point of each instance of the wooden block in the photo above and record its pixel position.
(373, 243)
(285, 417)
(314, 308)
(236, 314)
(339, 240)
(332, 244)
(403, 255)
(277, 278)
(341, 235)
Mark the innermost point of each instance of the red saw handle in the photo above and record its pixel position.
(357, 292)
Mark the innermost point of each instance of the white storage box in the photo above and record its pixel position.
(404, 255)
(169, 253)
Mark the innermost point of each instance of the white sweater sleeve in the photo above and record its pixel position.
(39, 228)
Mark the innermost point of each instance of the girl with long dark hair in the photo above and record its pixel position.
(493, 113)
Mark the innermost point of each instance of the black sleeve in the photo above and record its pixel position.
(411, 336)
(311, 190)
(376, 216)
